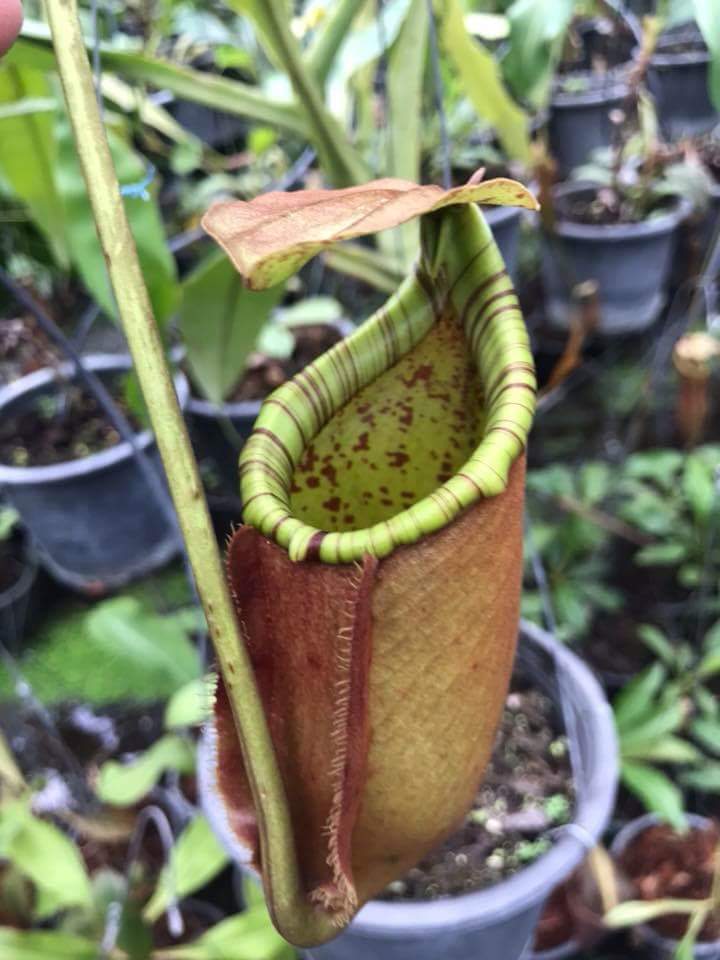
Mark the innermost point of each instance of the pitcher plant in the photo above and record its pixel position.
(377, 575)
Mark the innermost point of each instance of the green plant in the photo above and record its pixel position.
(650, 716)
(571, 534)
(45, 879)
(634, 912)
(673, 498)
(669, 716)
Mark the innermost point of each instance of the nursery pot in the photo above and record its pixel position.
(629, 261)
(219, 431)
(660, 947)
(498, 922)
(679, 81)
(95, 521)
(579, 122)
(15, 598)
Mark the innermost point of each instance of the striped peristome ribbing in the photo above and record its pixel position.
(467, 276)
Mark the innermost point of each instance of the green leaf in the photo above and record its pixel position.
(339, 159)
(632, 913)
(655, 791)
(707, 732)
(218, 93)
(595, 482)
(659, 465)
(310, 311)
(404, 85)
(707, 14)
(159, 643)
(655, 640)
(29, 156)
(482, 82)
(661, 554)
(47, 857)
(648, 730)
(699, 487)
(123, 784)
(189, 706)
(197, 857)
(706, 778)
(45, 945)
(636, 697)
(220, 321)
(537, 31)
(246, 936)
(666, 749)
(145, 220)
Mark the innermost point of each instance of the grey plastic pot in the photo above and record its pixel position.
(219, 431)
(679, 82)
(658, 946)
(579, 123)
(630, 263)
(499, 922)
(95, 521)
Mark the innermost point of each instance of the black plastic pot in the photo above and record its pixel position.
(630, 263)
(579, 123)
(659, 947)
(218, 433)
(579, 119)
(499, 922)
(14, 601)
(95, 521)
(679, 82)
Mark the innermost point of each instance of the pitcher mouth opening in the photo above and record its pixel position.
(446, 367)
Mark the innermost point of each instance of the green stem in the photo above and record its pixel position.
(297, 919)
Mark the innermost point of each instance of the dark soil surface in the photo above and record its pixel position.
(24, 348)
(56, 427)
(526, 792)
(607, 206)
(661, 863)
(264, 374)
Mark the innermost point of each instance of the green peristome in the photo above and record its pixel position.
(311, 480)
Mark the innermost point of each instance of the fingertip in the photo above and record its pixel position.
(11, 18)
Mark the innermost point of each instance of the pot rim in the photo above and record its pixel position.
(103, 459)
(685, 58)
(667, 222)
(707, 948)
(525, 889)
(201, 407)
